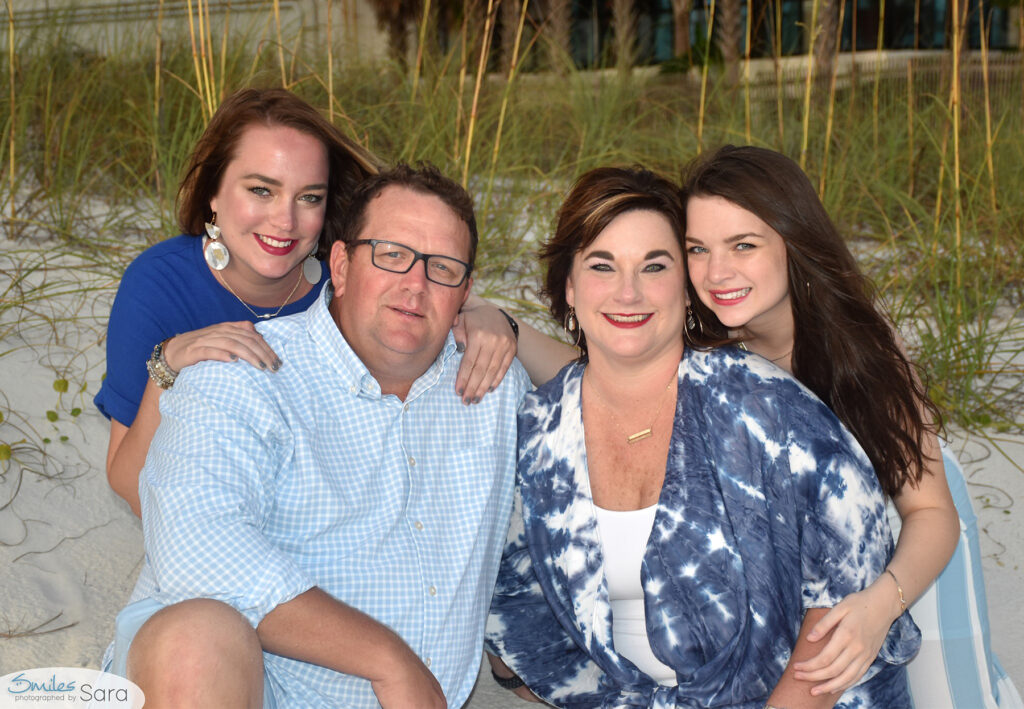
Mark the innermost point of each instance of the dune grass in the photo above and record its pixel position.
(921, 172)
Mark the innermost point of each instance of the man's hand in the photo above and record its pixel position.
(409, 685)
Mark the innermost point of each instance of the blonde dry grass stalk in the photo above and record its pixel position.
(330, 64)
(988, 107)
(461, 84)
(485, 50)
(704, 80)
(157, 70)
(958, 38)
(418, 67)
(831, 99)
(12, 163)
(805, 136)
(280, 42)
(746, 73)
(880, 47)
(512, 70)
(201, 57)
(910, 127)
(777, 60)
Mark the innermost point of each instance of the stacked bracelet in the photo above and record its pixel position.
(158, 369)
(899, 589)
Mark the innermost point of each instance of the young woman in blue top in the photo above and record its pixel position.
(268, 176)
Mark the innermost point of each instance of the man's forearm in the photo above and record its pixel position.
(317, 628)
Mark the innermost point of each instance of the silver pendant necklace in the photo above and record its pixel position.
(264, 316)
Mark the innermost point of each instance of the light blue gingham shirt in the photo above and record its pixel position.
(260, 485)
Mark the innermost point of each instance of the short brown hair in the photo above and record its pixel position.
(348, 163)
(594, 201)
(424, 178)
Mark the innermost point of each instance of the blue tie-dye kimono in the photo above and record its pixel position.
(769, 507)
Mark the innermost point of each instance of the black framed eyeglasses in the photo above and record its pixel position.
(399, 258)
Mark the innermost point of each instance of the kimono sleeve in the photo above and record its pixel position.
(845, 538)
(525, 631)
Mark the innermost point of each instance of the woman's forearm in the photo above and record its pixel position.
(541, 355)
(930, 528)
(129, 445)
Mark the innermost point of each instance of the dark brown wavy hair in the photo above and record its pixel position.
(844, 348)
(348, 163)
(593, 202)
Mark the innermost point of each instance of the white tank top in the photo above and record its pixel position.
(624, 535)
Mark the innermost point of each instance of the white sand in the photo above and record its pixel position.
(70, 549)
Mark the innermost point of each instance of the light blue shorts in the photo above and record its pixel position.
(133, 617)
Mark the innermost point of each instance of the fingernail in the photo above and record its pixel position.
(263, 365)
(234, 358)
(460, 392)
(459, 347)
(476, 400)
(277, 364)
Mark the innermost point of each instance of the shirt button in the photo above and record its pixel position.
(432, 590)
(405, 408)
(426, 661)
(419, 526)
(412, 461)
(353, 389)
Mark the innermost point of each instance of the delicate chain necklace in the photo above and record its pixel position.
(743, 346)
(264, 316)
(644, 433)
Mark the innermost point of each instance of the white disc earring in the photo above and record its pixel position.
(311, 270)
(214, 251)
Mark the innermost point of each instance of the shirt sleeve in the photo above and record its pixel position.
(138, 321)
(206, 491)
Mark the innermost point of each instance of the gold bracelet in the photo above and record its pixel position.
(899, 589)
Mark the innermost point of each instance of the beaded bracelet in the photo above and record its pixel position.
(159, 371)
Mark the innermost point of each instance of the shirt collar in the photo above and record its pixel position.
(354, 375)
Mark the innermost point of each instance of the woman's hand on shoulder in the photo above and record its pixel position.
(489, 345)
(223, 342)
(858, 625)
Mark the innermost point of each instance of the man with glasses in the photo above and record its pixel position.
(329, 535)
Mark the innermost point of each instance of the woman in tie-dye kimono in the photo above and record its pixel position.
(684, 515)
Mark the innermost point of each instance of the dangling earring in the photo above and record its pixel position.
(214, 251)
(693, 322)
(572, 326)
(311, 270)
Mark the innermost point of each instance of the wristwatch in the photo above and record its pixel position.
(158, 369)
(512, 682)
(511, 323)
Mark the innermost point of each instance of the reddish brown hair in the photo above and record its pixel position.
(348, 163)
